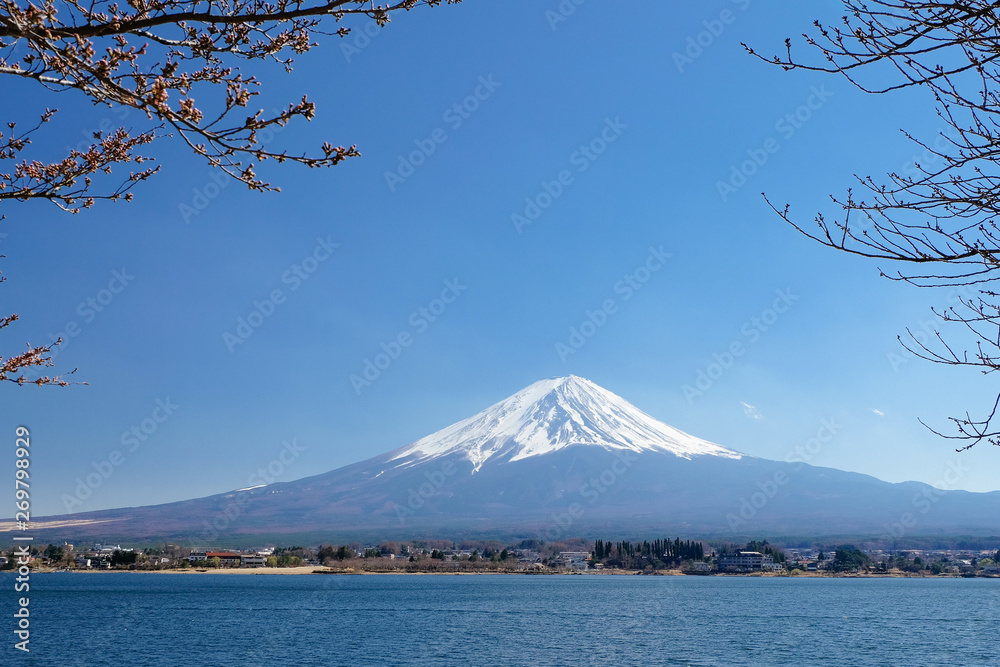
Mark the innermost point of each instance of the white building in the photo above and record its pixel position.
(748, 561)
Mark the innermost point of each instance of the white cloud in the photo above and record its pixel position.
(751, 411)
(878, 412)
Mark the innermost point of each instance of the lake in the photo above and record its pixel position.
(161, 619)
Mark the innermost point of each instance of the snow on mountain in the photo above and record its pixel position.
(553, 414)
(574, 445)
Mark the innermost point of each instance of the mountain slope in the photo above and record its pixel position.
(561, 457)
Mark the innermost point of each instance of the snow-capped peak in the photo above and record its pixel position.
(552, 414)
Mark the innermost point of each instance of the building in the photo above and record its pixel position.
(226, 558)
(748, 561)
(253, 561)
(574, 560)
(528, 556)
(98, 561)
(107, 550)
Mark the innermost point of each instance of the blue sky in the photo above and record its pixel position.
(595, 120)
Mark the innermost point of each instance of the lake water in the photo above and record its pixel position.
(152, 619)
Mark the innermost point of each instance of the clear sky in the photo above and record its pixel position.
(576, 181)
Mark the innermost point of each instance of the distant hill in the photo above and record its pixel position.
(563, 457)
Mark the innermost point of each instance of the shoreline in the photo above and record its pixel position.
(319, 570)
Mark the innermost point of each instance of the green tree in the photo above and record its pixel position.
(123, 558)
(287, 560)
(848, 558)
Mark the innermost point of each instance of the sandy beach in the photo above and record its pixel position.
(313, 569)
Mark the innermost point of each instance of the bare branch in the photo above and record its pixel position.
(941, 216)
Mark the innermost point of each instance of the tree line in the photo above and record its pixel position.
(658, 553)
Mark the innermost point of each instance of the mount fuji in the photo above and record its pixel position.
(562, 457)
(551, 416)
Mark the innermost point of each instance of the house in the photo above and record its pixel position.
(106, 551)
(253, 561)
(748, 561)
(574, 560)
(226, 558)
